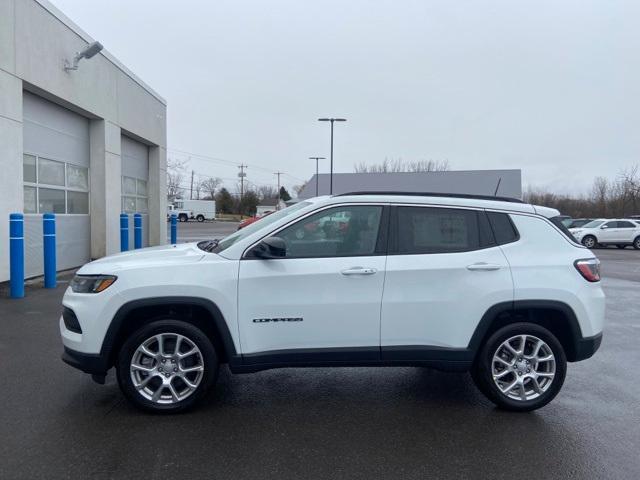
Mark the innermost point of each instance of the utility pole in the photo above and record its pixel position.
(191, 194)
(317, 176)
(242, 175)
(278, 200)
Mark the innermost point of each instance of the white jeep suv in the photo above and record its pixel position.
(459, 283)
(614, 231)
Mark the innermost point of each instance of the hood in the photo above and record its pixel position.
(163, 255)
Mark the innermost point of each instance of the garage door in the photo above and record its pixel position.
(56, 179)
(135, 177)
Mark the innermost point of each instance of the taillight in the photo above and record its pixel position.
(589, 268)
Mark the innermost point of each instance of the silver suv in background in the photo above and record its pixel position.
(620, 232)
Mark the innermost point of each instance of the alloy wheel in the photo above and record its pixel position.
(589, 242)
(167, 368)
(523, 367)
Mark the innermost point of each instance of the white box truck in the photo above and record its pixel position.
(201, 210)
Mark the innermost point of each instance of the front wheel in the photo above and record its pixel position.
(167, 366)
(521, 367)
(589, 241)
(183, 218)
(636, 243)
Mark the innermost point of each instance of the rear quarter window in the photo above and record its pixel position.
(503, 228)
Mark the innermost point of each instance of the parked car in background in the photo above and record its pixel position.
(201, 210)
(579, 222)
(564, 219)
(182, 214)
(620, 232)
(250, 220)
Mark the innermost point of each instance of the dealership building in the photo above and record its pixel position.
(503, 183)
(85, 144)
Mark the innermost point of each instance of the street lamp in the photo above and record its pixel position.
(317, 176)
(331, 168)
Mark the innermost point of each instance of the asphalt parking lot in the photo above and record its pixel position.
(193, 231)
(319, 423)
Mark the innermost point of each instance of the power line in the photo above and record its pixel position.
(228, 162)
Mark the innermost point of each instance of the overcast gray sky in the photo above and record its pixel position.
(551, 87)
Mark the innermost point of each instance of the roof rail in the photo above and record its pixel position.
(433, 194)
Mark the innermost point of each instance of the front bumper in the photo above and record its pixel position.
(95, 364)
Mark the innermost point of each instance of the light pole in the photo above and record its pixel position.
(317, 176)
(331, 161)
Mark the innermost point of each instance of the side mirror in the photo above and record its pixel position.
(603, 227)
(270, 247)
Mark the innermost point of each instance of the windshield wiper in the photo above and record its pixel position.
(208, 245)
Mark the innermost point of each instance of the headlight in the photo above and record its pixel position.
(91, 283)
(576, 232)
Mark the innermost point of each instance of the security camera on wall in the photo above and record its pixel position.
(88, 52)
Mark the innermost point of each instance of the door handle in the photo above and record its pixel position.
(482, 266)
(359, 271)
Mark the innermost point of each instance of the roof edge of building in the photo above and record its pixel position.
(53, 10)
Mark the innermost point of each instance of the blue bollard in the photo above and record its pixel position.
(49, 241)
(137, 231)
(16, 255)
(124, 232)
(174, 229)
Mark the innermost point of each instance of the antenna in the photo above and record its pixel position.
(495, 194)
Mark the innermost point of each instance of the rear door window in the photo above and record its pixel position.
(424, 230)
(623, 224)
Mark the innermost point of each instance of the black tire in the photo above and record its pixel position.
(200, 218)
(482, 368)
(636, 243)
(590, 241)
(183, 218)
(192, 333)
(621, 247)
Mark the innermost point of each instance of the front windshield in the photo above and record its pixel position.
(254, 227)
(593, 224)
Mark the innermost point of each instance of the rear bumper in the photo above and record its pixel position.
(586, 347)
(95, 364)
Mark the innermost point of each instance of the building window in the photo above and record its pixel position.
(134, 195)
(51, 186)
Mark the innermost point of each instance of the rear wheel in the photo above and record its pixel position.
(636, 243)
(521, 367)
(200, 218)
(167, 366)
(589, 241)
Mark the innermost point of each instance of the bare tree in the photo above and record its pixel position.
(267, 192)
(209, 186)
(399, 165)
(608, 198)
(299, 188)
(175, 177)
(599, 195)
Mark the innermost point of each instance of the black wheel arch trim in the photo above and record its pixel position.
(582, 347)
(220, 325)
